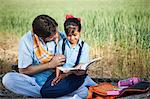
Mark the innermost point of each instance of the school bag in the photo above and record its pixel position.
(138, 88)
(100, 91)
(66, 85)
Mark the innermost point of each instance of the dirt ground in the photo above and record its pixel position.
(8, 51)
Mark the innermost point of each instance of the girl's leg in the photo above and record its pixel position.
(82, 91)
(89, 82)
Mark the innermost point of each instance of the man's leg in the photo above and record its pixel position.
(21, 84)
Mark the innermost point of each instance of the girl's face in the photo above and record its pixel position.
(73, 37)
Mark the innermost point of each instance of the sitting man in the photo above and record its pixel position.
(35, 63)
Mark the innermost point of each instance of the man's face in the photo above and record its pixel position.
(52, 37)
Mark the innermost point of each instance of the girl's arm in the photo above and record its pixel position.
(57, 72)
(55, 80)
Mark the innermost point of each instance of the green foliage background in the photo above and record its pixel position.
(117, 30)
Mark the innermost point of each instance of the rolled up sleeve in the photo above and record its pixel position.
(24, 55)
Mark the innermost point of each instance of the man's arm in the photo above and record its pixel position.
(57, 60)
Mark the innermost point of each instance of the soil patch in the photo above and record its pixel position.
(8, 51)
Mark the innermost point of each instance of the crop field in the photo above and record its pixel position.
(116, 30)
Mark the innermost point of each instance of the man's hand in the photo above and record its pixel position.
(57, 79)
(57, 60)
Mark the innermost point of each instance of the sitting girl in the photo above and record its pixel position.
(77, 53)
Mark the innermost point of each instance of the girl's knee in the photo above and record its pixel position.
(83, 94)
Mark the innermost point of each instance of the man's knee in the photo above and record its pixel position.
(8, 80)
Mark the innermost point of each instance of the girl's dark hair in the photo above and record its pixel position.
(44, 26)
(73, 22)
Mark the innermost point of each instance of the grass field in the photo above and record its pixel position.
(116, 30)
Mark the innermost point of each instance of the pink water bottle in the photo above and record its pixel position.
(129, 81)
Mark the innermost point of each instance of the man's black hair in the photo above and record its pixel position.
(73, 22)
(44, 26)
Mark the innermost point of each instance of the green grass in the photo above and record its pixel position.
(117, 30)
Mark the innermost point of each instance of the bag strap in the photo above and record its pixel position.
(79, 53)
(90, 93)
(63, 46)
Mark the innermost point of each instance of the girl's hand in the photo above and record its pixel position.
(54, 81)
(66, 71)
(57, 79)
(79, 66)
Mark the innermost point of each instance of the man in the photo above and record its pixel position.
(33, 66)
(37, 59)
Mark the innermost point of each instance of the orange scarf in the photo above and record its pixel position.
(42, 54)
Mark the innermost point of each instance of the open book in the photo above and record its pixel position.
(82, 67)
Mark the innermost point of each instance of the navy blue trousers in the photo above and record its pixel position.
(63, 87)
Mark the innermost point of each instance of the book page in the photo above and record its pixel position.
(85, 66)
(82, 67)
(66, 69)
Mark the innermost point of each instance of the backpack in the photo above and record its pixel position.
(100, 91)
(138, 88)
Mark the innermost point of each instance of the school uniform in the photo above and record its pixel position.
(74, 56)
(25, 84)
